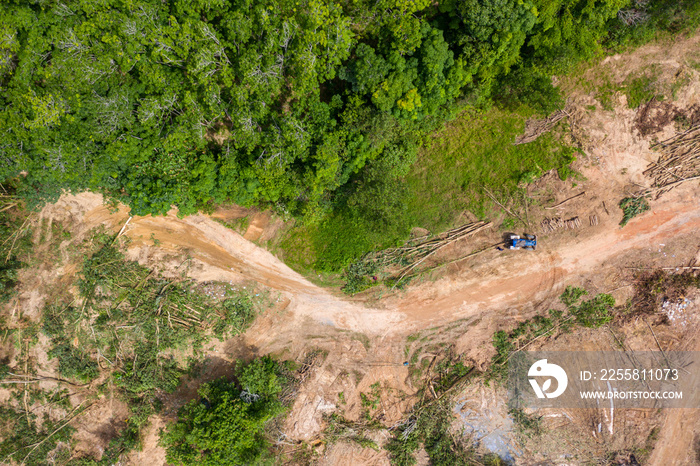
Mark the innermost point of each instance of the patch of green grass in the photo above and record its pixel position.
(508, 223)
(679, 83)
(528, 425)
(694, 64)
(298, 250)
(640, 90)
(605, 92)
(343, 237)
(361, 337)
(473, 152)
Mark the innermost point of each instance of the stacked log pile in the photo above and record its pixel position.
(551, 224)
(679, 161)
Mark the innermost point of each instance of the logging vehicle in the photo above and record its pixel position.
(527, 242)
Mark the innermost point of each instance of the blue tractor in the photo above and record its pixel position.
(528, 242)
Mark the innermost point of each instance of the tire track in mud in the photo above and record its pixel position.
(474, 292)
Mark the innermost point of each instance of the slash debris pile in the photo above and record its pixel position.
(536, 128)
(656, 292)
(679, 162)
(397, 264)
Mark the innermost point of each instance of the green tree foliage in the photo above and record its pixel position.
(527, 86)
(568, 31)
(129, 327)
(408, 85)
(26, 440)
(591, 313)
(15, 243)
(490, 33)
(125, 97)
(430, 428)
(275, 102)
(594, 312)
(647, 20)
(631, 207)
(74, 363)
(225, 426)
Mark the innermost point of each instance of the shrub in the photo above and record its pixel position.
(592, 313)
(572, 295)
(431, 428)
(631, 207)
(527, 424)
(237, 314)
(526, 86)
(225, 426)
(595, 312)
(653, 288)
(358, 276)
(73, 362)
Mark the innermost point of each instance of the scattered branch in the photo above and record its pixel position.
(566, 200)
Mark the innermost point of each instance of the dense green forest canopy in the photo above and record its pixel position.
(276, 102)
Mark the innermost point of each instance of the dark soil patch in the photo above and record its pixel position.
(653, 288)
(655, 116)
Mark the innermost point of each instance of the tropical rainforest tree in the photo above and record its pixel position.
(225, 426)
(279, 102)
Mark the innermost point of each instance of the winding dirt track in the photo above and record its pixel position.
(506, 280)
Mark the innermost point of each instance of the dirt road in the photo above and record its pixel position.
(505, 279)
(519, 278)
